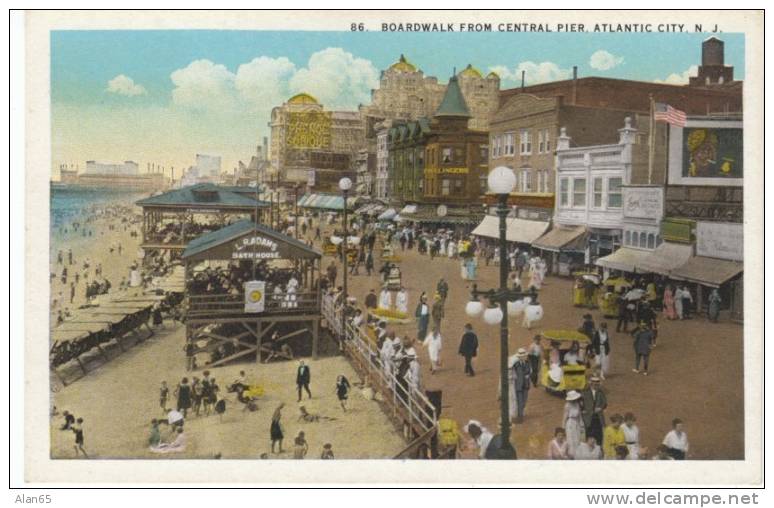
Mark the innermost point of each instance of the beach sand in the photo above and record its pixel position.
(118, 399)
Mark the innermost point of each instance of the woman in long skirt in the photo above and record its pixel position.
(342, 391)
(573, 422)
(434, 343)
(275, 431)
(669, 303)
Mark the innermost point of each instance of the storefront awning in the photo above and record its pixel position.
(563, 238)
(666, 258)
(324, 201)
(517, 230)
(625, 260)
(388, 214)
(708, 271)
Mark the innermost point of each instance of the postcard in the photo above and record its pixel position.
(394, 246)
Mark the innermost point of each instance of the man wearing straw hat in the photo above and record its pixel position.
(521, 382)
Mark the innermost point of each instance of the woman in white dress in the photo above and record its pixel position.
(573, 423)
(452, 249)
(401, 301)
(433, 342)
(632, 436)
(678, 298)
(385, 299)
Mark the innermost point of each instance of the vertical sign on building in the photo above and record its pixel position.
(255, 296)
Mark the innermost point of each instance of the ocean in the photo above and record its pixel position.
(69, 204)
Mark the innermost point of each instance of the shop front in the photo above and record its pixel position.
(564, 249)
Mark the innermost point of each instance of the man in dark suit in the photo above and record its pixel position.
(303, 378)
(522, 373)
(594, 405)
(469, 348)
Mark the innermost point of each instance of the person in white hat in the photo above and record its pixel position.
(522, 371)
(573, 421)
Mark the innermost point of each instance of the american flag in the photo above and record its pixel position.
(668, 114)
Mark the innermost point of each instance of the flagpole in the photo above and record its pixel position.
(651, 138)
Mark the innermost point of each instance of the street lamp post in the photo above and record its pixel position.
(295, 228)
(344, 184)
(501, 182)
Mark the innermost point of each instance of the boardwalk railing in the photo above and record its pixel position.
(212, 305)
(407, 405)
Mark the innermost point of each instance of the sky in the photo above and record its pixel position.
(162, 96)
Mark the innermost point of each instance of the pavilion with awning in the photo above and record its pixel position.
(226, 323)
(172, 219)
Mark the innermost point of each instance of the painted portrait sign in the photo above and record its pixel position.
(707, 152)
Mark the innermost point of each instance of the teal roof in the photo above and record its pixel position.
(243, 227)
(453, 103)
(203, 195)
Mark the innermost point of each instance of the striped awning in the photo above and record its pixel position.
(625, 260)
(562, 238)
(708, 271)
(667, 257)
(517, 230)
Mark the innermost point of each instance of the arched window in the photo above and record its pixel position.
(643, 239)
(651, 241)
(627, 238)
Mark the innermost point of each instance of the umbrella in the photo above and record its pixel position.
(174, 417)
(634, 294)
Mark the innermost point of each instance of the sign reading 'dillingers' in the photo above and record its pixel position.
(721, 240)
(255, 247)
(643, 202)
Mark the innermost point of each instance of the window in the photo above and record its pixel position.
(509, 143)
(627, 238)
(541, 141)
(614, 195)
(482, 184)
(445, 183)
(526, 181)
(564, 192)
(579, 192)
(548, 141)
(651, 241)
(525, 143)
(484, 154)
(458, 186)
(643, 239)
(447, 156)
(598, 189)
(539, 181)
(546, 182)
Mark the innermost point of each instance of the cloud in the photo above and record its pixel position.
(337, 78)
(203, 85)
(534, 72)
(602, 60)
(334, 76)
(264, 80)
(680, 78)
(124, 85)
